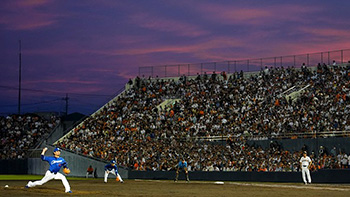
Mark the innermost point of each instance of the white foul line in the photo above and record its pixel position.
(320, 186)
(291, 186)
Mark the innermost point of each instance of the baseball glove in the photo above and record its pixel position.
(66, 170)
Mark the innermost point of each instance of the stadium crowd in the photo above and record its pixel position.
(18, 133)
(146, 137)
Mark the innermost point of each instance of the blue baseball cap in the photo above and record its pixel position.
(56, 149)
(113, 162)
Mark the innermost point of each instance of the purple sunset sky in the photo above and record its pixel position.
(89, 49)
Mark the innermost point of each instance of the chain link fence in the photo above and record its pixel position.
(249, 65)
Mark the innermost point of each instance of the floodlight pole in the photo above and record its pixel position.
(66, 99)
(19, 78)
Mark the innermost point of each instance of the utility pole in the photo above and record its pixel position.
(20, 78)
(66, 99)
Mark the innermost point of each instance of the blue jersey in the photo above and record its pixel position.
(55, 163)
(182, 165)
(109, 167)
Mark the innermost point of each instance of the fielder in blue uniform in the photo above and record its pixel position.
(182, 165)
(112, 168)
(56, 162)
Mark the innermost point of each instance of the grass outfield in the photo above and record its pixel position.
(96, 187)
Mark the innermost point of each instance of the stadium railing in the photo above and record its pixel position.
(247, 65)
(324, 134)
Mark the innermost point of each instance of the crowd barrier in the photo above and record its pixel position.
(13, 166)
(23, 166)
(312, 144)
(321, 176)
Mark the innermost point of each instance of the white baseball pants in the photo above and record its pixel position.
(305, 172)
(49, 176)
(115, 174)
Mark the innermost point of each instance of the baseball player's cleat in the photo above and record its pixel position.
(69, 192)
(27, 186)
(121, 181)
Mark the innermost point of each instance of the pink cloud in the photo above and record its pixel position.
(31, 3)
(143, 49)
(314, 40)
(327, 32)
(127, 40)
(62, 81)
(142, 53)
(126, 74)
(300, 49)
(236, 14)
(167, 25)
(218, 42)
(59, 85)
(15, 24)
(61, 48)
(26, 15)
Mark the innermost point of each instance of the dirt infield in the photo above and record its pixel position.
(96, 187)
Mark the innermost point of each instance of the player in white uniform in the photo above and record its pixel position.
(305, 163)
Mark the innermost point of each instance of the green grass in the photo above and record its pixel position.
(33, 177)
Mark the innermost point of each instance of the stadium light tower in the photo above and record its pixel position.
(19, 79)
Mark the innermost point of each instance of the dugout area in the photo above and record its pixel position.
(96, 187)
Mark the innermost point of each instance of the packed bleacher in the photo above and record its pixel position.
(19, 133)
(145, 137)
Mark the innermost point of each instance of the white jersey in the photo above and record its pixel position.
(305, 161)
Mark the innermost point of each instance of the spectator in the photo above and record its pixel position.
(18, 133)
(144, 136)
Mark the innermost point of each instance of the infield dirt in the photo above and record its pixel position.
(96, 187)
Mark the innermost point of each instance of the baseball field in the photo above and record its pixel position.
(96, 187)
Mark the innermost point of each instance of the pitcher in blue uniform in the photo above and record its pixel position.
(182, 165)
(112, 168)
(56, 162)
